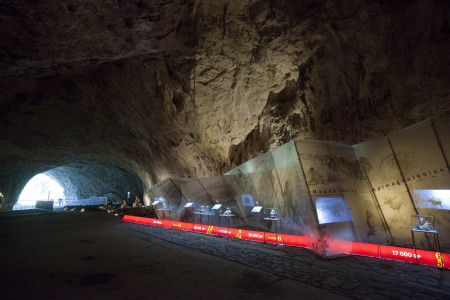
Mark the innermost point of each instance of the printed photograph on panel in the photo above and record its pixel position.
(432, 199)
(367, 220)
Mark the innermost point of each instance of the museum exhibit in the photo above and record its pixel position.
(204, 149)
(330, 193)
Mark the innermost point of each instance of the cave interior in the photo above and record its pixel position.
(116, 96)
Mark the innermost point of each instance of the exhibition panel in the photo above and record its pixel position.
(296, 208)
(323, 170)
(164, 198)
(202, 194)
(249, 193)
(243, 192)
(185, 187)
(276, 182)
(383, 173)
(423, 167)
(366, 220)
(324, 195)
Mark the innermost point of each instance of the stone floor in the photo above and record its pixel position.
(75, 255)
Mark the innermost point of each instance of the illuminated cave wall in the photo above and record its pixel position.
(195, 88)
(330, 192)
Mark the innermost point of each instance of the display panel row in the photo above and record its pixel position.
(327, 192)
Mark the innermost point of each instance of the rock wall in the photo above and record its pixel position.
(84, 179)
(337, 70)
(192, 88)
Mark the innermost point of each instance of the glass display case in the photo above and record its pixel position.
(163, 206)
(203, 210)
(157, 201)
(272, 225)
(160, 204)
(227, 211)
(271, 214)
(198, 209)
(423, 224)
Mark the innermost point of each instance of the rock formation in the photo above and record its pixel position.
(137, 91)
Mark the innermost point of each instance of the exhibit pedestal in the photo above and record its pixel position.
(436, 242)
(227, 217)
(426, 225)
(276, 220)
(165, 213)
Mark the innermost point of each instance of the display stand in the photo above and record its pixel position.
(160, 204)
(200, 211)
(271, 215)
(255, 215)
(204, 210)
(425, 224)
(190, 205)
(228, 212)
(199, 214)
(214, 209)
(165, 212)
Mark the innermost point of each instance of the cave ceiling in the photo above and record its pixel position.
(192, 88)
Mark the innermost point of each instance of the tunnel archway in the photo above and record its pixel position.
(81, 181)
(40, 187)
(95, 178)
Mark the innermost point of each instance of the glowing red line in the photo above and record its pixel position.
(424, 257)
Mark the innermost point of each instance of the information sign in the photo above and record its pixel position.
(256, 209)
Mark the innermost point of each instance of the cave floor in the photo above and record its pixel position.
(75, 255)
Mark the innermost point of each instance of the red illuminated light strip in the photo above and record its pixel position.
(424, 257)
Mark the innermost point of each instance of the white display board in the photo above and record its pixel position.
(217, 206)
(256, 209)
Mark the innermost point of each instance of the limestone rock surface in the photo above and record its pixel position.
(142, 90)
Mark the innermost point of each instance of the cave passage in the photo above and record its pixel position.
(40, 187)
(83, 182)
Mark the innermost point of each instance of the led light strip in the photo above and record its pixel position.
(424, 257)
